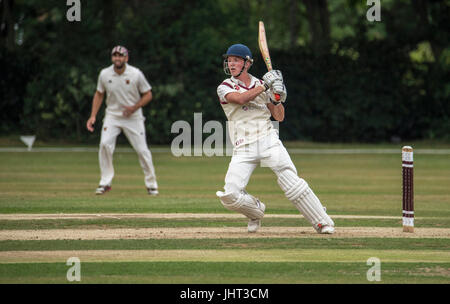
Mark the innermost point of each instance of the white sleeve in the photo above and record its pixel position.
(223, 89)
(143, 85)
(266, 94)
(100, 85)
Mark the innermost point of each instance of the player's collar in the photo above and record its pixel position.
(253, 81)
(124, 71)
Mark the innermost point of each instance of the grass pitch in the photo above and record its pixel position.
(367, 186)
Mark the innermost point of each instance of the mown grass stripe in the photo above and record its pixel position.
(45, 224)
(225, 272)
(166, 150)
(216, 232)
(39, 216)
(227, 255)
(269, 243)
(23, 217)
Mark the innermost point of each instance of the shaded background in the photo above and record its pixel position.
(348, 79)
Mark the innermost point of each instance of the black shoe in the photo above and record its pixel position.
(152, 191)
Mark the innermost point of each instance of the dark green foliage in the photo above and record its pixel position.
(17, 69)
(361, 89)
(379, 96)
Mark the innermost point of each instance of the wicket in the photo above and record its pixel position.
(408, 189)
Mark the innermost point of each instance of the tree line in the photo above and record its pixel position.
(348, 79)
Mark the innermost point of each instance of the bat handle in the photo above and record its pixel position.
(277, 96)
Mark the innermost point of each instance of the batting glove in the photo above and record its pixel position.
(279, 88)
(272, 76)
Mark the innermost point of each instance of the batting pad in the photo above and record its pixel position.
(244, 203)
(300, 194)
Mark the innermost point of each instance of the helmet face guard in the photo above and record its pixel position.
(238, 50)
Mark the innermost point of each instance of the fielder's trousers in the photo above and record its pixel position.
(134, 130)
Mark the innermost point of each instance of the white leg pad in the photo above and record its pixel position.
(244, 203)
(300, 194)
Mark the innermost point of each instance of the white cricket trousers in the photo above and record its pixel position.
(134, 130)
(266, 152)
(270, 152)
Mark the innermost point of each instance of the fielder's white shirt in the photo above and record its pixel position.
(122, 90)
(248, 122)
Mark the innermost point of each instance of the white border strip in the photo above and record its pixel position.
(62, 216)
(290, 150)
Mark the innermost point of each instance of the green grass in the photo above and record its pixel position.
(282, 243)
(366, 184)
(440, 222)
(226, 272)
(346, 184)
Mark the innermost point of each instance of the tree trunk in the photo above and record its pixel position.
(422, 10)
(109, 17)
(319, 24)
(293, 23)
(7, 31)
(324, 21)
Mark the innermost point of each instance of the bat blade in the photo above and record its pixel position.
(262, 42)
(264, 49)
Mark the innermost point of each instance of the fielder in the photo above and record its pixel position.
(127, 91)
(248, 104)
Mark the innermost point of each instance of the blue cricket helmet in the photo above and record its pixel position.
(238, 50)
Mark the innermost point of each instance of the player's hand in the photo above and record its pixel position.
(270, 77)
(90, 124)
(128, 111)
(279, 88)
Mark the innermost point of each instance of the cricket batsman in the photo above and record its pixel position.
(127, 91)
(249, 103)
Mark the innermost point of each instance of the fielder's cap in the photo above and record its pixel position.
(120, 49)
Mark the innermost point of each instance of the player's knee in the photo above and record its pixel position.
(284, 166)
(106, 146)
(228, 198)
(292, 185)
(142, 151)
(242, 202)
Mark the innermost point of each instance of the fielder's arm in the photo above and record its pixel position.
(242, 98)
(277, 111)
(96, 104)
(145, 99)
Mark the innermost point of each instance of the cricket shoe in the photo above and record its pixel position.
(152, 191)
(254, 225)
(102, 189)
(326, 229)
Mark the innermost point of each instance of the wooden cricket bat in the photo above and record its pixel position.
(262, 41)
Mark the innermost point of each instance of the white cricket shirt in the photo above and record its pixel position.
(248, 122)
(122, 90)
